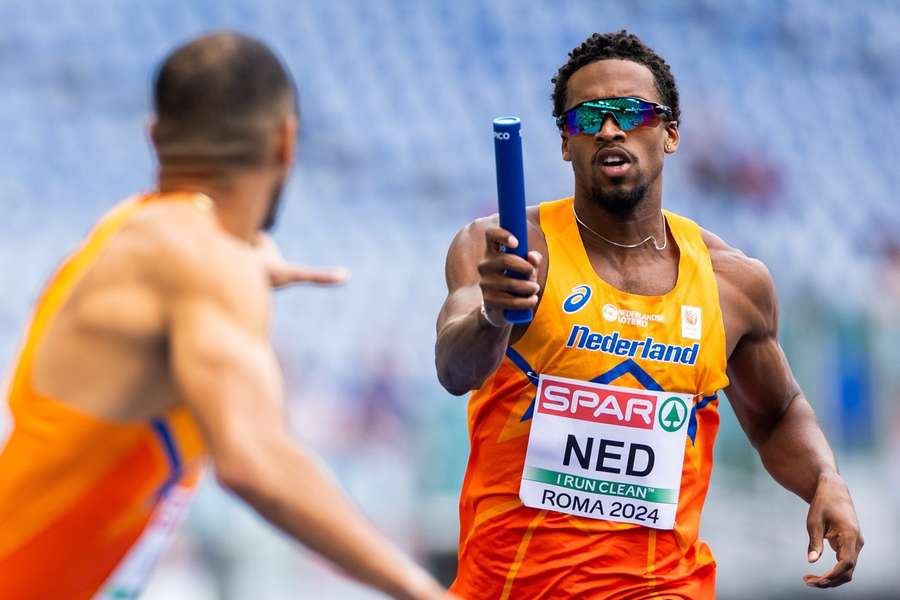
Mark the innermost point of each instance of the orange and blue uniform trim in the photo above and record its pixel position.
(508, 550)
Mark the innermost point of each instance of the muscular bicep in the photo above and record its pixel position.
(762, 385)
(227, 376)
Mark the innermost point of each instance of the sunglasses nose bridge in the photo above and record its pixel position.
(610, 128)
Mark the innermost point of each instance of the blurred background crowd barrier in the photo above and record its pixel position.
(789, 151)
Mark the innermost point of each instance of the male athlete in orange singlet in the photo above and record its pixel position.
(149, 349)
(592, 427)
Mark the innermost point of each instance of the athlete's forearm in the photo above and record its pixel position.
(295, 493)
(795, 451)
(468, 350)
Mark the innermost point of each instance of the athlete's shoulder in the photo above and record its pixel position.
(475, 230)
(745, 283)
(182, 248)
(481, 224)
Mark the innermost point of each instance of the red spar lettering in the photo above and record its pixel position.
(597, 403)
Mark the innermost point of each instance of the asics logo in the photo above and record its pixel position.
(577, 299)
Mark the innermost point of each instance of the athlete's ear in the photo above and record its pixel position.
(286, 148)
(673, 137)
(152, 133)
(565, 147)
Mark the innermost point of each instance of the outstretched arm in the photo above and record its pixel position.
(782, 426)
(471, 342)
(229, 378)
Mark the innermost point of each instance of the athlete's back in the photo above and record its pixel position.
(100, 438)
(105, 350)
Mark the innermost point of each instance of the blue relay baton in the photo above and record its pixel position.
(511, 195)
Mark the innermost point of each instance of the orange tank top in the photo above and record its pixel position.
(86, 505)
(588, 333)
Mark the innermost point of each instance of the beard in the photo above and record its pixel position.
(274, 204)
(619, 202)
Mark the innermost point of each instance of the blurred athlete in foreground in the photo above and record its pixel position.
(592, 427)
(149, 349)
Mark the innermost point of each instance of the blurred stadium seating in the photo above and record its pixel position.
(788, 152)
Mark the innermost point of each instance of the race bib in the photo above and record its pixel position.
(606, 452)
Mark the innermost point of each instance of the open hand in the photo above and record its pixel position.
(282, 273)
(832, 517)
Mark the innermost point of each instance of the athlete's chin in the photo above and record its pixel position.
(618, 199)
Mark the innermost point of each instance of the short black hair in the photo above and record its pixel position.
(622, 45)
(217, 98)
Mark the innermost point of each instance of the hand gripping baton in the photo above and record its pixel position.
(511, 194)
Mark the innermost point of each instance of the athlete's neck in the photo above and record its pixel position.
(625, 228)
(241, 200)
